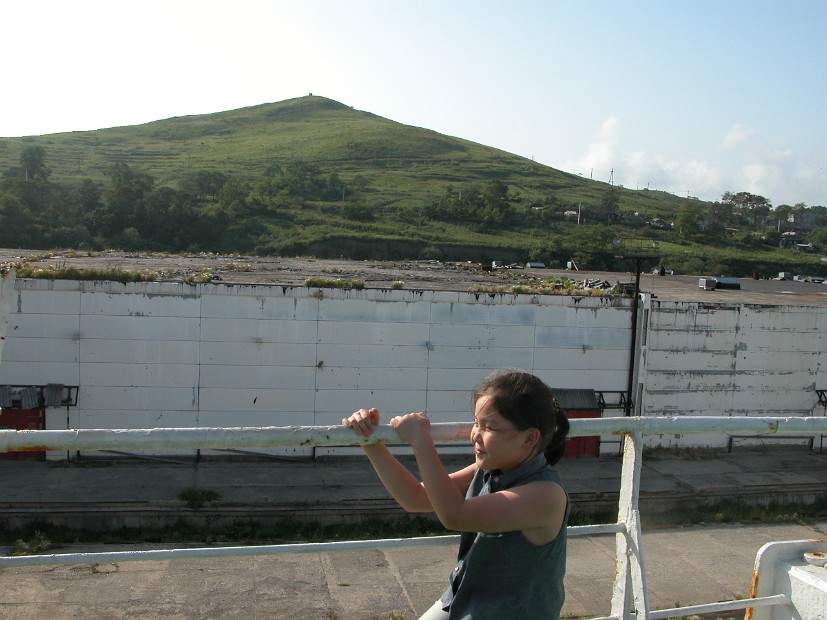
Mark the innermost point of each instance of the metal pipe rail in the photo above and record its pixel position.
(326, 436)
(257, 550)
(629, 595)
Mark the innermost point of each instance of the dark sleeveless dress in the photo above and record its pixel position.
(505, 575)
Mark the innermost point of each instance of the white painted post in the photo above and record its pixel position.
(630, 592)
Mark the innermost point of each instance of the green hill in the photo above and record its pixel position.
(400, 163)
(313, 176)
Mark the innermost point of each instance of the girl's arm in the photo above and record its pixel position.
(400, 483)
(537, 506)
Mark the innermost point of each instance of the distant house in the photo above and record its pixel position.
(789, 239)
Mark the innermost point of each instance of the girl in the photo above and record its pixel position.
(509, 504)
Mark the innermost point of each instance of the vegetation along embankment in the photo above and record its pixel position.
(311, 176)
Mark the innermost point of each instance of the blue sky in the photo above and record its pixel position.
(695, 97)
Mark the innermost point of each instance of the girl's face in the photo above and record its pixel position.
(498, 444)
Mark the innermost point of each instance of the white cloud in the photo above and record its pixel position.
(607, 158)
(736, 136)
(781, 174)
(602, 154)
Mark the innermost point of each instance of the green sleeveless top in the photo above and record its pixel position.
(505, 575)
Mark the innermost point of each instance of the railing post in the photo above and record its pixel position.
(629, 597)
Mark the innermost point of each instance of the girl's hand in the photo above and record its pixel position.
(362, 421)
(413, 427)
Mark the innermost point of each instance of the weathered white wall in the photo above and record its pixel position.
(183, 355)
(731, 360)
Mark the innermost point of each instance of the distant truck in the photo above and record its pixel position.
(710, 284)
(725, 282)
(785, 275)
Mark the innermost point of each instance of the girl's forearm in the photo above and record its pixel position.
(444, 496)
(400, 483)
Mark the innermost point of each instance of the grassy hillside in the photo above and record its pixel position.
(403, 192)
(402, 165)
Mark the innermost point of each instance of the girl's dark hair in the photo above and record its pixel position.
(525, 401)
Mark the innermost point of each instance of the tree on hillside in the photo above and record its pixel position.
(16, 228)
(126, 177)
(496, 211)
(203, 183)
(233, 197)
(608, 209)
(86, 196)
(591, 246)
(723, 213)
(753, 206)
(688, 222)
(120, 200)
(358, 212)
(781, 213)
(486, 205)
(819, 237)
(33, 161)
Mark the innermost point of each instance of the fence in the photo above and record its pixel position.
(629, 597)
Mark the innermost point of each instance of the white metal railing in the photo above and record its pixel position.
(321, 436)
(629, 595)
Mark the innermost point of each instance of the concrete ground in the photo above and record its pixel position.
(684, 566)
(687, 565)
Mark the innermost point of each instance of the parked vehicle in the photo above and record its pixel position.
(726, 282)
(707, 284)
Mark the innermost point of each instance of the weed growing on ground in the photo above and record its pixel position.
(59, 272)
(196, 498)
(251, 532)
(732, 511)
(246, 532)
(334, 283)
(37, 544)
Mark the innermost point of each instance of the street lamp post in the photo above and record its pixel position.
(635, 252)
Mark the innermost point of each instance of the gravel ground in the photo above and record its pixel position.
(414, 275)
(236, 269)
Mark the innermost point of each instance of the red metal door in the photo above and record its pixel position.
(582, 446)
(23, 419)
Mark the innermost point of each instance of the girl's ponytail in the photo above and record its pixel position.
(557, 445)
